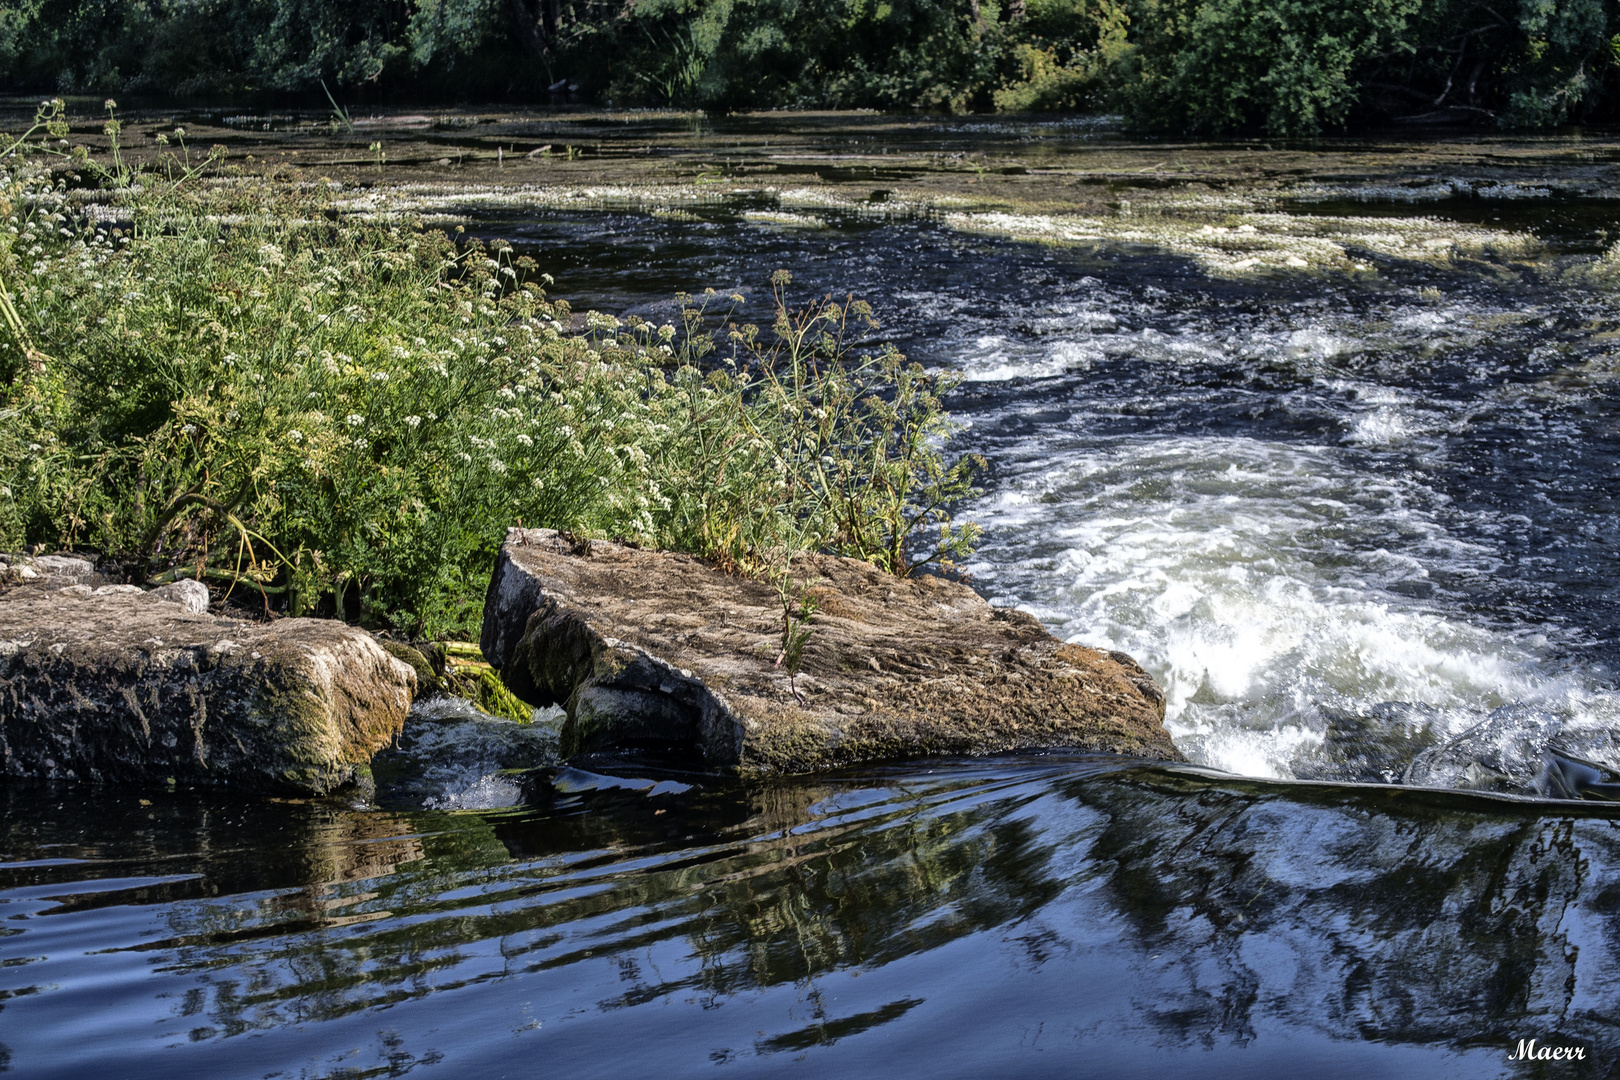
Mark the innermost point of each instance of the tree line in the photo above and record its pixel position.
(1278, 67)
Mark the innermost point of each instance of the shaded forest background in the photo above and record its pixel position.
(1281, 67)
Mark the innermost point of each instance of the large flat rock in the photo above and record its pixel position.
(113, 683)
(664, 654)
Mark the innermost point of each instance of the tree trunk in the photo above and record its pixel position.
(526, 27)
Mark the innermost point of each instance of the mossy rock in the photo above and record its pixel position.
(428, 682)
(664, 655)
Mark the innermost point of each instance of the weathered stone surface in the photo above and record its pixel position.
(191, 595)
(48, 572)
(113, 683)
(660, 652)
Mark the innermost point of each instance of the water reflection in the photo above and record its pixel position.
(1022, 916)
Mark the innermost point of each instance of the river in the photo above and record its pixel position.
(1330, 449)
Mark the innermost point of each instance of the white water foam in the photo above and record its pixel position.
(1252, 579)
(1293, 598)
(453, 756)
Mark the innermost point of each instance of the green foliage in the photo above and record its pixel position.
(235, 47)
(347, 416)
(1285, 67)
(1533, 63)
(1282, 67)
(801, 441)
(1562, 43)
(1071, 58)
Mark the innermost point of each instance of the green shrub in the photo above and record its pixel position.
(212, 376)
(802, 442)
(1284, 67)
(1562, 52)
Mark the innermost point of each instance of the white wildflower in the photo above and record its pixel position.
(295, 436)
(412, 421)
(354, 419)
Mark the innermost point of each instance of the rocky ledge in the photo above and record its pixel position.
(663, 654)
(108, 682)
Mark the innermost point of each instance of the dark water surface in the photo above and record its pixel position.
(1032, 917)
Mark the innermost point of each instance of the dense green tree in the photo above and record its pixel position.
(1529, 64)
(1279, 67)
(1285, 67)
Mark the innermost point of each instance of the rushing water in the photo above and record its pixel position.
(1360, 526)
(1358, 530)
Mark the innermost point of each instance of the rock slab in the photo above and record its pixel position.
(113, 683)
(664, 654)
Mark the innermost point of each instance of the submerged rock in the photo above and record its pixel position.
(664, 654)
(454, 756)
(113, 683)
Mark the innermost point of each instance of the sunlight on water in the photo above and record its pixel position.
(1279, 589)
(1234, 571)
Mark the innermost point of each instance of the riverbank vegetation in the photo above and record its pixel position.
(1281, 67)
(207, 374)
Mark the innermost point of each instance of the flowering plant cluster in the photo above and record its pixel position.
(223, 379)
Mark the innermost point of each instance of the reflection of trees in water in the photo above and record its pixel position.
(752, 901)
(1423, 923)
(1232, 906)
(760, 900)
(295, 946)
